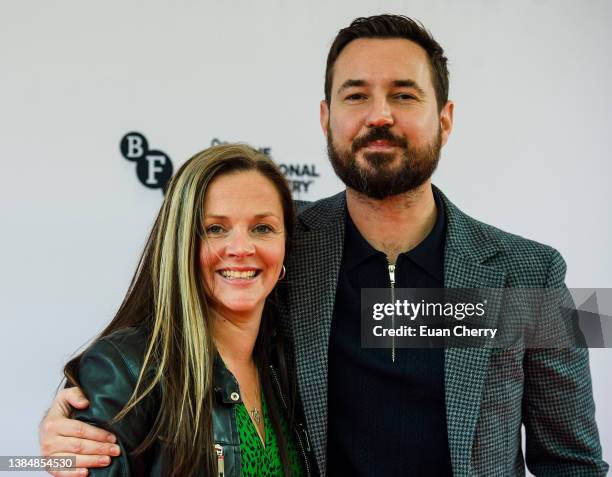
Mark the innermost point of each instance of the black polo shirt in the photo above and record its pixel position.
(385, 418)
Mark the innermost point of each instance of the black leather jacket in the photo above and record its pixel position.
(108, 372)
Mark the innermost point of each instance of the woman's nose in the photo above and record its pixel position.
(240, 244)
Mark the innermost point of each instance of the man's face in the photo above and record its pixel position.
(384, 132)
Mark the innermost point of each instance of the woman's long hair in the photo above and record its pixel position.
(166, 296)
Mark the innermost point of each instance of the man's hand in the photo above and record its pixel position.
(60, 435)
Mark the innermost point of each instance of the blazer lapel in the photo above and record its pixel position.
(312, 278)
(465, 369)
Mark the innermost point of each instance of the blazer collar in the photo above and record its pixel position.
(466, 236)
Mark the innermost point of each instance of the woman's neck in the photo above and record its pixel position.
(235, 338)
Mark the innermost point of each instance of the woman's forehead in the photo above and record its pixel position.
(242, 193)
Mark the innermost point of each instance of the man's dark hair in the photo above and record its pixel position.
(392, 26)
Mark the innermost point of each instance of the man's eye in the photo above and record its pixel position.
(405, 96)
(355, 97)
(262, 229)
(214, 229)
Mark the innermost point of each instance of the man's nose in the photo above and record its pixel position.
(380, 114)
(240, 244)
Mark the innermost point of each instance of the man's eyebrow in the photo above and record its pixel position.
(351, 83)
(408, 83)
(403, 83)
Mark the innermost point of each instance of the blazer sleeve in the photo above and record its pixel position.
(558, 408)
(108, 380)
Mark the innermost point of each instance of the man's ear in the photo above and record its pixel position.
(446, 121)
(324, 116)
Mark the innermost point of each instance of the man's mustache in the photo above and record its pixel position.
(379, 134)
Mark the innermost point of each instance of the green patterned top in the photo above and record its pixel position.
(258, 461)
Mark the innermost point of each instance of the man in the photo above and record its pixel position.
(394, 411)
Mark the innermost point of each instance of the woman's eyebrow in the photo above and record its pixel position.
(257, 216)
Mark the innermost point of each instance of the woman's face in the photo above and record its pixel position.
(242, 255)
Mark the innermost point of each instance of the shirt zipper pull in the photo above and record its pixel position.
(392, 282)
(220, 460)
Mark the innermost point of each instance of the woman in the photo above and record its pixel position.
(189, 374)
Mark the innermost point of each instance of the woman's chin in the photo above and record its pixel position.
(246, 307)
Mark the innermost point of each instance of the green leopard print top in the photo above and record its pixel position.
(258, 461)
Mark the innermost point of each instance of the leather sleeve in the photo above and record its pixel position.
(107, 375)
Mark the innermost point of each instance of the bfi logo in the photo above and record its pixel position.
(153, 167)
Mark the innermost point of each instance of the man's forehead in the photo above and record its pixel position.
(381, 59)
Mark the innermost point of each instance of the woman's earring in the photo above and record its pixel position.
(283, 273)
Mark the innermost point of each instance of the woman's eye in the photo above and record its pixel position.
(214, 229)
(263, 229)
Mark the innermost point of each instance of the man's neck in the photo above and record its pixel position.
(395, 224)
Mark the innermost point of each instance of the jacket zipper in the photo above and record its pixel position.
(392, 283)
(296, 431)
(220, 460)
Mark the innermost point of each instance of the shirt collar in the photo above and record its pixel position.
(429, 254)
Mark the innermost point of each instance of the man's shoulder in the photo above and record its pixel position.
(331, 201)
(511, 243)
(322, 211)
(512, 252)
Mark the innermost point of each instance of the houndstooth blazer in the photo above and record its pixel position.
(488, 394)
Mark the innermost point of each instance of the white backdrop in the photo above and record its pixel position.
(529, 152)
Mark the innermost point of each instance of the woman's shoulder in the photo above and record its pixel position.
(108, 373)
(123, 349)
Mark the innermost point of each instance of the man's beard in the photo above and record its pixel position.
(379, 180)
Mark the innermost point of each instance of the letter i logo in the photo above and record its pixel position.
(153, 167)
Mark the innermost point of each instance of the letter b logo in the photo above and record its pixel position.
(133, 146)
